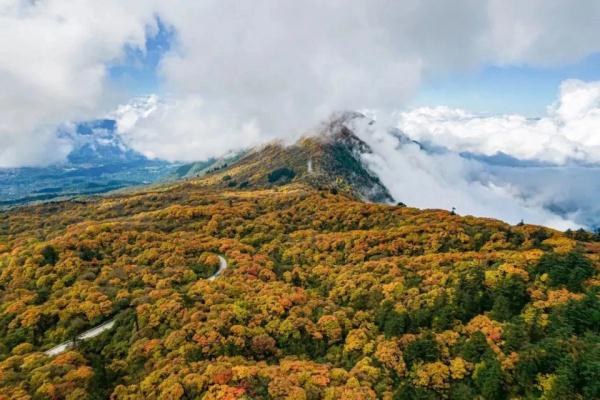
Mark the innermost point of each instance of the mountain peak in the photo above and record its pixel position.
(329, 159)
(98, 143)
(339, 129)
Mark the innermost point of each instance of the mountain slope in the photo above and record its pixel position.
(325, 297)
(330, 159)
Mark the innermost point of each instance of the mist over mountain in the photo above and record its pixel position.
(98, 143)
(430, 175)
(421, 173)
(98, 161)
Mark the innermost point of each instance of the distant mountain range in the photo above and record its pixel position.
(97, 143)
(99, 162)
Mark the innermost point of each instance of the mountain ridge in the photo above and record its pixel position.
(330, 158)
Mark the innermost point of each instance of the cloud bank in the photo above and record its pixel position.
(569, 133)
(181, 129)
(265, 66)
(282, 67)
(445, 180)
(53, 60)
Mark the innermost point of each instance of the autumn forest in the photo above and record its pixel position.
(325, 297)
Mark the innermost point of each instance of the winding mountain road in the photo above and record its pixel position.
(222, 267)
(84, 336)
(61, 348)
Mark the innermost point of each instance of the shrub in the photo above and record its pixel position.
(570, 269)
(281, 174)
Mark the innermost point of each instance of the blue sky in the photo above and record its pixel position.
(489, 90)
(509, 89)
(138, 73)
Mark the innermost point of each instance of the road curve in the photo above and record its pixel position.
(84, 336)
(222, 267)
(56, 350)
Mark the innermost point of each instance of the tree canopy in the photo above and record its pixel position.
(325, 297)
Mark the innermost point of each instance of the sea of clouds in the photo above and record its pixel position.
(433, 176)
(551, 169)
(568, 134)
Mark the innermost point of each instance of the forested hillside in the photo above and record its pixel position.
(325, 297)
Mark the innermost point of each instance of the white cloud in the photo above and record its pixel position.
(129, 114)
(425, 180)
(53, 58)
(570, 132)
(284, 66)
(543, 32)
(277, 66)
(181, 129)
